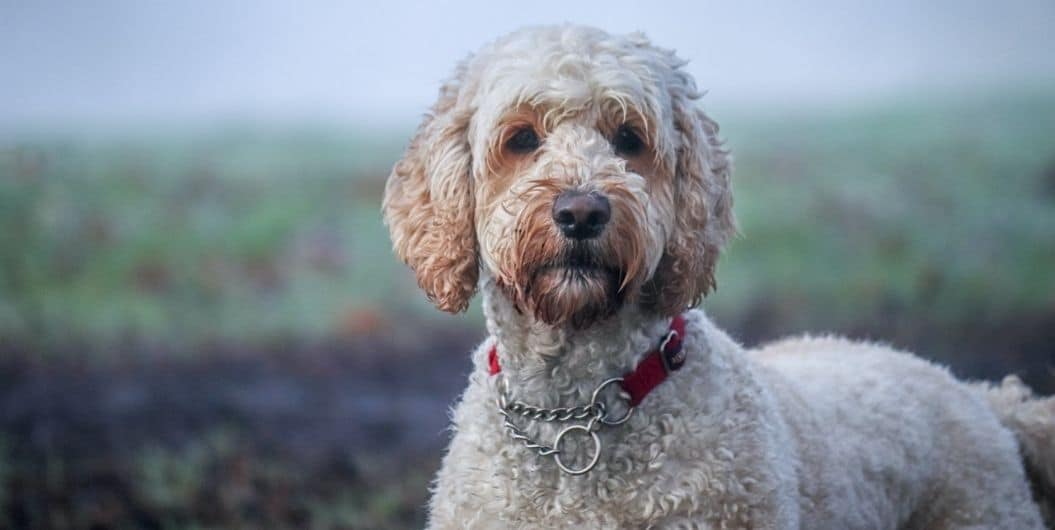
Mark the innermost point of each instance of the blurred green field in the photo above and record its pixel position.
(248, 232)
(945, 209)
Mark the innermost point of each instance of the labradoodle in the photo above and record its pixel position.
(569, 176)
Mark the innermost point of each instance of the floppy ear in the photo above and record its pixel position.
(428, 203)
(703, 211)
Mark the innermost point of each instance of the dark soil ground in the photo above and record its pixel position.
(317, 434)
(335, 434)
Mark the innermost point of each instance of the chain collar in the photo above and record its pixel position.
(587, 419)
(595, 410)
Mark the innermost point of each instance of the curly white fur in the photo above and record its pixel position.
(807, 433)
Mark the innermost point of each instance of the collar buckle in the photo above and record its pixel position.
(671, 352)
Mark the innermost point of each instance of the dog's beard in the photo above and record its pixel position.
(577, 287)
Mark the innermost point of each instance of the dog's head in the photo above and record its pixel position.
(573, 167)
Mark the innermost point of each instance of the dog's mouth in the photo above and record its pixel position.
(578, 263)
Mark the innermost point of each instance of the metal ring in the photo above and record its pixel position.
(596, 450)
(597, 394)
(620, 421)
(600, 387)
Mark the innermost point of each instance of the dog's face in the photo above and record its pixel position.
(572, 167)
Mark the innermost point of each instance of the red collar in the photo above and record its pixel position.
(667, 357)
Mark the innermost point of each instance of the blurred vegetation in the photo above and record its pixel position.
(250, 232)
(944, 209)
(242, 233)
(205, 328)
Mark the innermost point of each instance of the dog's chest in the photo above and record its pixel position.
(651, 469)
(628, 486)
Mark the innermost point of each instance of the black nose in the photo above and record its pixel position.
(581, 215)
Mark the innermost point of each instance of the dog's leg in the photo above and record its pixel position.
(982, 485)
(1032, 420)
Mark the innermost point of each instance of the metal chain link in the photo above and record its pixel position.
(595, 410)
(519, 435)
(560, 414)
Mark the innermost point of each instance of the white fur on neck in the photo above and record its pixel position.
(557, 366)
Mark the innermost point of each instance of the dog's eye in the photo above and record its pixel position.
(523, 141)
(627, 142)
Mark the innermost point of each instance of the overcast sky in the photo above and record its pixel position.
(382, 62)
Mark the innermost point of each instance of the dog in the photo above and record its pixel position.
(568, 175)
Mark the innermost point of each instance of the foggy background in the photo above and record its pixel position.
(202, 324)
(115, 62)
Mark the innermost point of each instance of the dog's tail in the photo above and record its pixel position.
(1032, 419)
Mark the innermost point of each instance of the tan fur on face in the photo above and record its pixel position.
(460, 203)
(526, 248)
(705, 214)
